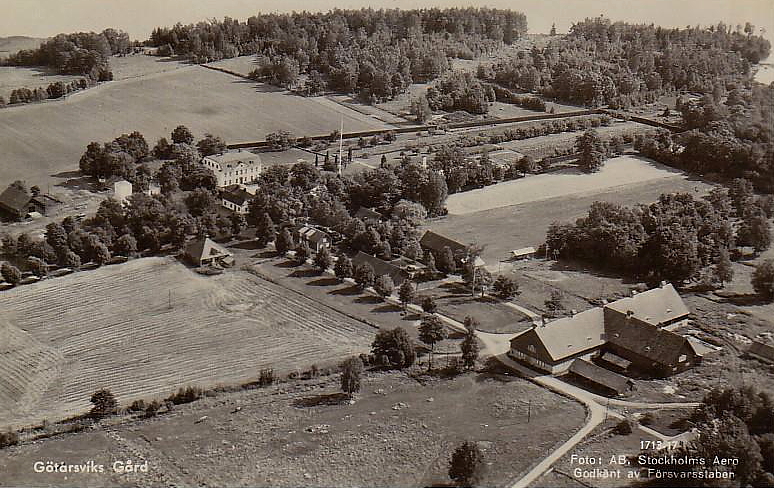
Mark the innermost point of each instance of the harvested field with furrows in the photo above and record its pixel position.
(399, 432)
(147, 327)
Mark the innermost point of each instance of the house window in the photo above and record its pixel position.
(682, 358)
(531, 348)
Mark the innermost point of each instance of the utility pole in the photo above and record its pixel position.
(170, 299)
(341, 144)
(529, 410)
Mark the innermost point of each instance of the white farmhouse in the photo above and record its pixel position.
(234, 168)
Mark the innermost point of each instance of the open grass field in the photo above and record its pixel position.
(270, 443)
(514, 226)
(12, 44)
(124, 67)
(114, 328)
(543, 146)
(493, 315)
(617, 172)
(41, 140)
(241, 64)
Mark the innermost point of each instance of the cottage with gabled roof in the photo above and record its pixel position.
(15, 202)
(436, 243)
(234, 168)
(205, 252)
(647, 347)
(381, 267)
(316, 238)
(236, 199)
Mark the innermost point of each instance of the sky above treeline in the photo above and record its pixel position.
(44, 18)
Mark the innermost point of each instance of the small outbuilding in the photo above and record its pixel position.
(15, 202)
(606, 380)
(316, 238)
(524, 253)
(205, 252)
(764, 352)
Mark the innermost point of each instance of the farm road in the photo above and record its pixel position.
(596, 414)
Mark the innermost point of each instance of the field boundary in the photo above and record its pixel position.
(257, 273)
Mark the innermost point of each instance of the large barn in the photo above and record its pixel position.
(631, 333)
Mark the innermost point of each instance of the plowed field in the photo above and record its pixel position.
(114, 328)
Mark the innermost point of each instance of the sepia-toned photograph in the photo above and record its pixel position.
(386, 243)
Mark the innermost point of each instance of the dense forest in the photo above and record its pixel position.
(81, 53)
(620, 65)
(675, 239)
(376, 53)
(731, 134)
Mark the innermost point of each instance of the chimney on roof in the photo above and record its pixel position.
(543, 321)
(663, 284)
(629, 313)
(573, 312)
(634, 292)
(604, 301)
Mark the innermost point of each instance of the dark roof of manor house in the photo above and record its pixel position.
(15, 199)
(365, 213)
(237, 196)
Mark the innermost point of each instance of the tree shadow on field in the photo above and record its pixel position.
(288, 263)
(247, 244)
(589, 269)
(77, 183)
(346, 291)
(328, 399)
(324, 282)
(742, 299)
(67, 174)
(387, 308)
(412, 316)
(304, 273)
(369, 300)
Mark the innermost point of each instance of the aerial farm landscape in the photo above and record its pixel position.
(388, 248)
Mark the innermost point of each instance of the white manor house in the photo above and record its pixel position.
(234, 168)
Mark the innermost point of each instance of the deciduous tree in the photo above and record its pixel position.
(351, 372)
(466, 464)
(431, 332)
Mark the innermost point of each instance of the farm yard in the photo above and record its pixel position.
(398, 433)
(114, 328)
(41, 140)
